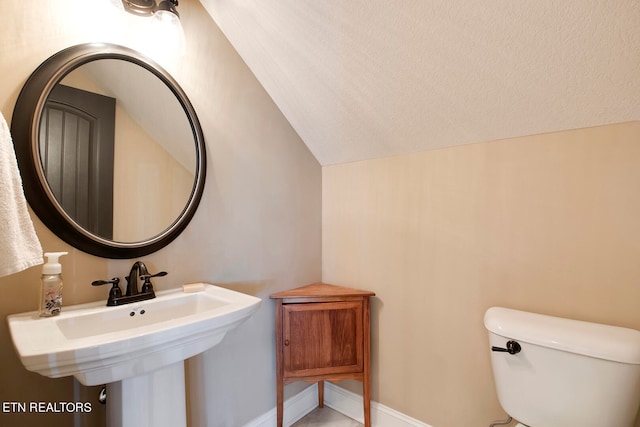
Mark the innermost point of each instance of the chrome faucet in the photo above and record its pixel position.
(132, 294)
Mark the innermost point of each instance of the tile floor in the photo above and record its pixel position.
(326, 417)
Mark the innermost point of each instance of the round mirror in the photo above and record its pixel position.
(110, 150)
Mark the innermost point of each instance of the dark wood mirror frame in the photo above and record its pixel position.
(25, 131)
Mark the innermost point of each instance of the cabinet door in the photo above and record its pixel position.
(322, 338)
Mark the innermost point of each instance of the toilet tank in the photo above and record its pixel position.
(568, 373)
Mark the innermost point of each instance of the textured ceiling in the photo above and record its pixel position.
(360, 79)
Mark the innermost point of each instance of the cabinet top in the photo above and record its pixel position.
(320, 290)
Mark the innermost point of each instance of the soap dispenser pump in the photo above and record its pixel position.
(51, 285)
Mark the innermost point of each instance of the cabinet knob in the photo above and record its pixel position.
(286, 342)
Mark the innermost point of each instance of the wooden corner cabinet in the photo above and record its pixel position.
(323, 333)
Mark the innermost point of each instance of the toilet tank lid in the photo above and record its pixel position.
(590, 339)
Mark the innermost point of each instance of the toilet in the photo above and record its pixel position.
(554, 372)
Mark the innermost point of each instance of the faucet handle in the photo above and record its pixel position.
(113, 281)
(115, 291)
(146, 277)
(147, 286)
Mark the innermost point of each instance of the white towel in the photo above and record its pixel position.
(19, 245)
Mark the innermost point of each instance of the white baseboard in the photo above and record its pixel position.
(338, 399)
(350, 404)
(295, 407)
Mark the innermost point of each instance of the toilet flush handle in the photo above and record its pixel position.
(513, 347)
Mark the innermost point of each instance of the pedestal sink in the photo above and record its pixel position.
(136, 349)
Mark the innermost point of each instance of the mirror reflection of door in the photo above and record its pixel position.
(77, 151)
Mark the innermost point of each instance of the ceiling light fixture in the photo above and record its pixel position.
(150, 7)
(165, 19)
(166, 13)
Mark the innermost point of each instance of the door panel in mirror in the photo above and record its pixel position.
(76, 151)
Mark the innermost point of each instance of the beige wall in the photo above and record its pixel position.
(142, 163)
(257, 229)
(547, 223)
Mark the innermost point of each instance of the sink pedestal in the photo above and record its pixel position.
(155, 399)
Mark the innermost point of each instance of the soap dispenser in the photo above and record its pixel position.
(51, 285)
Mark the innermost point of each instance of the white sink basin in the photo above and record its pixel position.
(99, 344)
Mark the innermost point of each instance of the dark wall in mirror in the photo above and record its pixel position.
(110, 150)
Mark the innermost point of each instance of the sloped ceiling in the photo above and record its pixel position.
(360, 79)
